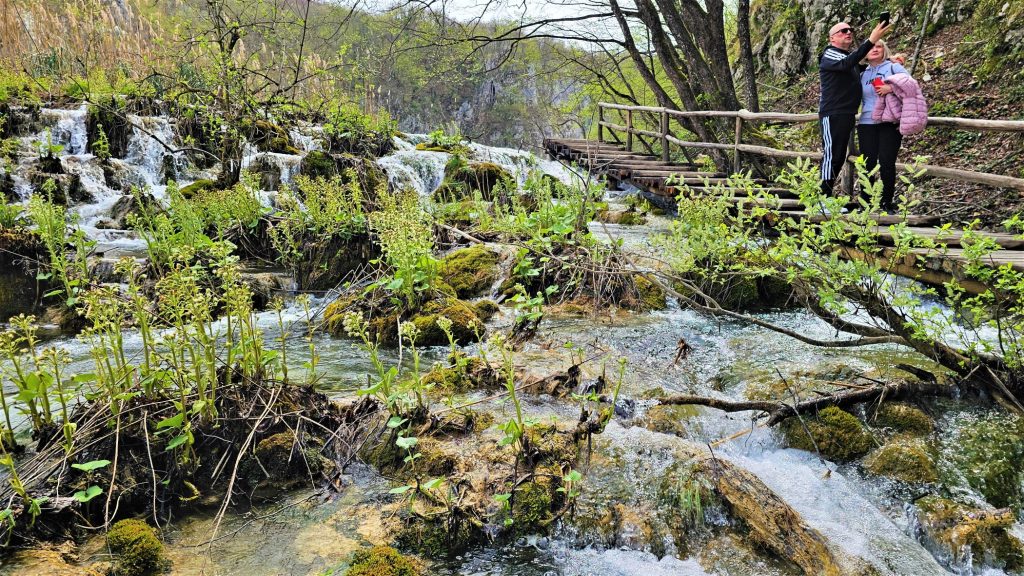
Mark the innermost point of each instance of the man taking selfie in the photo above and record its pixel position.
(840, 96)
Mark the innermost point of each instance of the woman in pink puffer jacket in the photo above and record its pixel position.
(880, 140)
(904, 104)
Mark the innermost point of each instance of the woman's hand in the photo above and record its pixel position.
(883, 89)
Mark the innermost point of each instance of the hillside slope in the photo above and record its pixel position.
(969, 66)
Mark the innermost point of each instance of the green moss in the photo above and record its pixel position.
(669, 419)
(433, 459)
(462, 180)
(382, 561)
(551, 445)
(197, 187)
(621, 217)
(443, 537)
(463, 318)
(988, 450)
(652, 296)
(470, 271)
(904, 418)
(904, 459)
(531, 506)
(318, 163)
(452, 192)
(269, 137)
(485, 309)
(954, 526)
(455, 378)
(839, 435)
(997, 24)
(139, 551)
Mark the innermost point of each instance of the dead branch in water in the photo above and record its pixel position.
(778, 411)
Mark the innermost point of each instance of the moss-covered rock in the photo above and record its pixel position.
(669, 419)
(382, 561)
(531, 506)
(197, 187)
(462, 180)
(955, 529)
(131, 205)
(269, 137)
(837, 434)
(459, 377)
(139, 551)
(485, 309)
(904, 418)
(903, 458)
(650, 295)
(64, 189)
(988, 449)
(621, 217)
(318, 164)
(326, 261)
(470, 271)
(439, 538)
(465, 322)
(7, 191)
(551, 445)
(741, 293)
(111, 119)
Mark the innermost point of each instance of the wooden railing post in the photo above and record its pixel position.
(629, 130)
(736, 146)
(600, 123)
(664, 136)
(851, 169)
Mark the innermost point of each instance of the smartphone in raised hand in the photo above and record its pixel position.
(883, 18)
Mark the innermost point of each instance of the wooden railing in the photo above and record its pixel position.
(741, 116)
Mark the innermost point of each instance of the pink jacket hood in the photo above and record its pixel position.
(905, 104)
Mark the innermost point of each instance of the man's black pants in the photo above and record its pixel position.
(835, 140)
(880, 143)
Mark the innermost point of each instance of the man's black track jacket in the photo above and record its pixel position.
(840, 80)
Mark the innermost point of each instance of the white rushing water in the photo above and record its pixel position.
(66, 128)
(423, 170)
(151, 160)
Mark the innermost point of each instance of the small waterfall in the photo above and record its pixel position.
(21, 187)
(422, 171)
(67, 128)
(402, 144)
(519, 163)
(144, 149)
(307, 138)
(274, 168)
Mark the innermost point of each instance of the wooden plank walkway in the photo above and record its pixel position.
(663, 182)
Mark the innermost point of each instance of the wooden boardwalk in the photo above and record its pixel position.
(651, 174)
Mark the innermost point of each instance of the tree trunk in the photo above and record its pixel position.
(747, 55)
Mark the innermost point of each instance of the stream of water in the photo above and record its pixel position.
(860, 516)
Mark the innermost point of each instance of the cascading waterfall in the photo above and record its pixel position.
(148, 145)
(67, 128)
(307, 138)
(420, 170)
(423, 170)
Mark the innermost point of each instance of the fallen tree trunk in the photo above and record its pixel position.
(778, 411)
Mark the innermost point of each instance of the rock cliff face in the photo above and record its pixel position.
(787, 37)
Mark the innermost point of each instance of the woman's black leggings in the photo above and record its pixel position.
(880, 143)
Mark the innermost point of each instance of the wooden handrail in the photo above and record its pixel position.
(951, 121)
(741, 116)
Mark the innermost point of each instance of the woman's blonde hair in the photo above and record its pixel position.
(885, 51)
